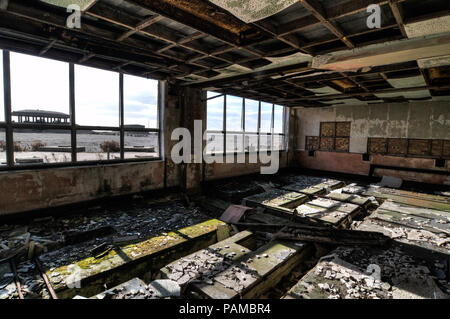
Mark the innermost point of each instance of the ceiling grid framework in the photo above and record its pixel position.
(271, 56)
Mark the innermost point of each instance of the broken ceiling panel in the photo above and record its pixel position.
(324, 90)
(253, 10)
(297, 57)
(346, 102)
(417, 94)
(407, 95)
(434, 62)
(407, 82)
(441, 98)
(83, 4)
(388, 95)
(428, 27)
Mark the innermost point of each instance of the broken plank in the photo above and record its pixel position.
(207, 262)
(411, 221)
(135, 260)
(350, 198)
(400, 192)
(256, 273)
(417, 211)
(329, 211)
(310, 191)
(408, 200)
(276, 199)
(418, 241)
(325, 235)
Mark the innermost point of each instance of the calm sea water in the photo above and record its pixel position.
(90, 141)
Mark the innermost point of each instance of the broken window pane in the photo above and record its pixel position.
(98, 145)
(41, 147)
(214, 143)
(141, 145)
(235, 142)
(278, 143)
(2, 101)
(251, 115)
(2, 147)
(234, 113)
(266, 117)
(96, 97)
(278, 121)
(251, 142)
(140, 102)
(214, 116)
(39, 90)
(265, 142)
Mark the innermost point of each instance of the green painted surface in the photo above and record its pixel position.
(141, 256)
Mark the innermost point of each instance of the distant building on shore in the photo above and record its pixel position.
(41, 117)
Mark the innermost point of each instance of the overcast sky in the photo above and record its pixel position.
(43, 84)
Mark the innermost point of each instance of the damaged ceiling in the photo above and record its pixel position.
(307, 53)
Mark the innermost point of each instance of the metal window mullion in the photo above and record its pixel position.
(160, 119)
(259, 126)
(7, 104)
(224, 124)
(121, 117)
(272, 128)
(243, 124)
(73, 127)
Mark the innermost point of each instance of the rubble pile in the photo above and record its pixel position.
(358, 273)
(51, 236)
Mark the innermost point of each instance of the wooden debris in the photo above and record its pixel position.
(331, 236)
(79, 237)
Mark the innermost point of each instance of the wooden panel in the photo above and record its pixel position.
(343, 129)
(312, 143)
(327, 129)
(446, 152)
(436, 147)
(397, 146)
(419, 147)
(342, 144)
(326, 143)
(377, 145)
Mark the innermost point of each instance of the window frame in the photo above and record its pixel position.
(259, 134)
(9, 126)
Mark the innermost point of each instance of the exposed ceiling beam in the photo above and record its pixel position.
(318, 11)
(144, 24)
(398, 14)
(394, 52)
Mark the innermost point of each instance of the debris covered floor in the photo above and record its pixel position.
(296, 237)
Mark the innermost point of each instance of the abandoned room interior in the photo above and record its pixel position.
(249, 149)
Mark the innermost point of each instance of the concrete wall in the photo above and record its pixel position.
(37, 189)
(423, 120)
(22, 191)
(223, 170)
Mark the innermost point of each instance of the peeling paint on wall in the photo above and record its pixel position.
(421, 120)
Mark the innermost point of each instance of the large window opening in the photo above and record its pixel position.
(40, 110)
(249, 125)
(64, 113)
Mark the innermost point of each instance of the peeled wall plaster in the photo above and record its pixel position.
(426, 120)
(253, 10)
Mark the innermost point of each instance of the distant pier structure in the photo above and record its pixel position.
(38, 116)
